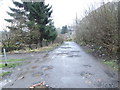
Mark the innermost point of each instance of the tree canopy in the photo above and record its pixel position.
(32, 22)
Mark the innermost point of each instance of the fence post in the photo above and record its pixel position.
(5, 57)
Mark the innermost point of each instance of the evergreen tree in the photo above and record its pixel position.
(32, 19)
(50, 33)
(40, 14)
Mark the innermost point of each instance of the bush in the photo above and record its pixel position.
(11, 48)
(99, 29)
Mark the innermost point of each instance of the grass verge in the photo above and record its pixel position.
(46, 48)
(12, 60)
(69, 39)
(9, 65)
(111, 63)
(4, 73)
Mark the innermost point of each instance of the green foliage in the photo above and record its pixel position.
(4, 73)
(18, 4)
(64, 29)
(50, 33)
(40, 14)
(69, 39)
(31, 24)
(12, 60)
(10, 65)
(9, 20)
(111, 63)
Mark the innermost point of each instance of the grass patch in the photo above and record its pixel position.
(111, 63)
(70, 39)
(47, 48)
(4, 73)
(9, 65)
(12, 60)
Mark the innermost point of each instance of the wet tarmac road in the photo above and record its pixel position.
(66, 67)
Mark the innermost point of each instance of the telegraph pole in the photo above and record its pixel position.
(76, 21)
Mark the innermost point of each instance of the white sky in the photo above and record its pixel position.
(64, 11)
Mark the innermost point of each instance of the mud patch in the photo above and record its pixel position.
(37, 74)
(47, 67)
(34, 67)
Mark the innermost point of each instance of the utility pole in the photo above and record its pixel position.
(76, 21)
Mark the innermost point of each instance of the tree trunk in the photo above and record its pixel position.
(52, 42)
(38, 43)
(41, 42)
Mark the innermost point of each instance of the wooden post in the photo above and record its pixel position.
(5, 57)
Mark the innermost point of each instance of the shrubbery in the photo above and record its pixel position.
(99, 30)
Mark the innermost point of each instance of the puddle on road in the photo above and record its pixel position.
(65, 47)
(85, 74)
(73, 55)
(66, 44)
(87, 66)
(75, 51)
(68, 54)
(63, 53)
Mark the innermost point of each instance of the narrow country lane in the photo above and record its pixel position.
(65, 67)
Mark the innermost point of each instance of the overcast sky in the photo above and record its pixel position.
(64, 11)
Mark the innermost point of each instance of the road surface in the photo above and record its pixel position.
(68, 66)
